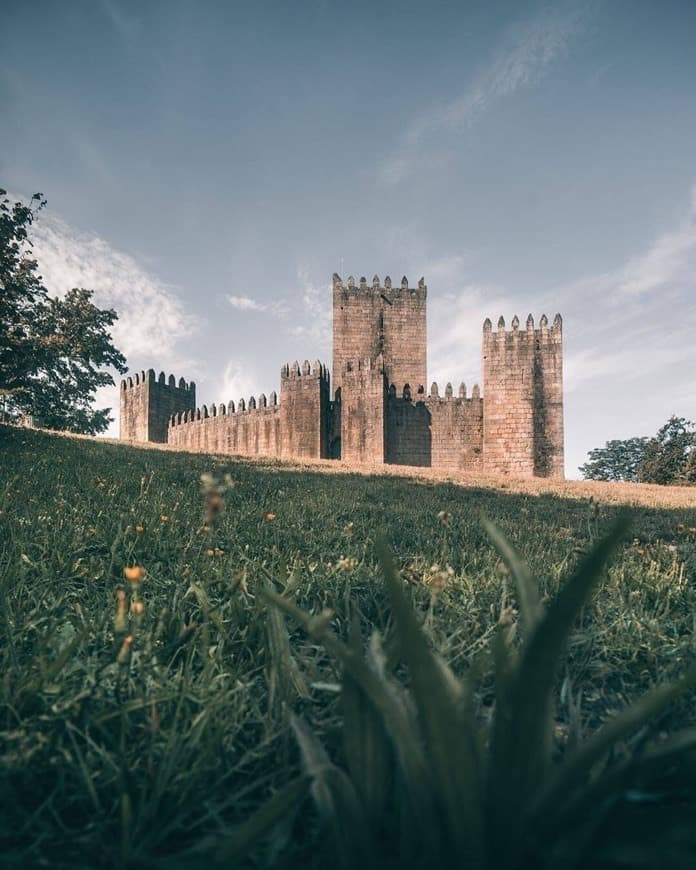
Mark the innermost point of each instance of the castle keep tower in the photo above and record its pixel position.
(371, 319)
(523, 399)
(148, 403)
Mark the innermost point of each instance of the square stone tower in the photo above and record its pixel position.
(370, 320)
(148, 402)
(523, 398)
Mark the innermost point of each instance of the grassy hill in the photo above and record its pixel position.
(140, 717)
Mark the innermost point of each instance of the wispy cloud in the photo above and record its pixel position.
(246, 303)
(153, 322)
(620, 324)
(238, 381)
(669, 259)
(524, 54)
(455, 321)
(647, 279)
(315, 315)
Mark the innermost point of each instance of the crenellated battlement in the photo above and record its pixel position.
(448, 395)
(316, 370)
(252, 405)
(530, 333)
(389, 291)
(149, 377)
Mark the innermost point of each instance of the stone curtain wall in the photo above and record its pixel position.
(363, 395)
(304, 410)
(409, 441)
(371, 319)
(523, 383)
(456, 424)
(247, 429)
(147, 403)
(439, 431)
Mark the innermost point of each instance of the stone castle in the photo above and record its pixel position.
(377, 409)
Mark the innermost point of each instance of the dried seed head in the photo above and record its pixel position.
(444, 518)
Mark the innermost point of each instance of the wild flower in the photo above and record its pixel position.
(134, 574)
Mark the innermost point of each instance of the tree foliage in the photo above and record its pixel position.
(617, 460)
(669, 456)
(52, 350)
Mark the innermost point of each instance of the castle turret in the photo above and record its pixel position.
(372, 319)
(148, 402)
(523, 398)
(304, 408)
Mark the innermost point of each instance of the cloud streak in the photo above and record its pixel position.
(525, 53)
(246, 303)
(668, 260)
(153, 323)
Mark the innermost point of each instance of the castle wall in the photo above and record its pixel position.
(408, 439)
(371, 319)
(147, 403)
(304, 410)
(441, 431)
(363, 396)
(456, 424)
(523, 382)
(247, 429)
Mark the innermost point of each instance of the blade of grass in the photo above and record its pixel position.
(527, 590)
(336, 800)
(620, 777)
(398, 724)
(449, 739)
(366, 745)
(521, 744)
(563, 782)
(243, 838)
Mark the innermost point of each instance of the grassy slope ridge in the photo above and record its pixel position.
(111, 757)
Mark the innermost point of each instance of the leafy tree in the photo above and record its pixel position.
(669, 456)
(52, 350)
(617, 460)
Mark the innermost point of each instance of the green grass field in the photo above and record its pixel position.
(141, 719)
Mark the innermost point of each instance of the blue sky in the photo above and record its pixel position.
(209, 165)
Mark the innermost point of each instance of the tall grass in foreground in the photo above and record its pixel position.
(425, 781)
(120, 758)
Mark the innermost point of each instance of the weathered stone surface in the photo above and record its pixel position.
(363, 396)
(373, 320)
(380, 411)
(148, 403)
(523, 384)
(304, 406)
